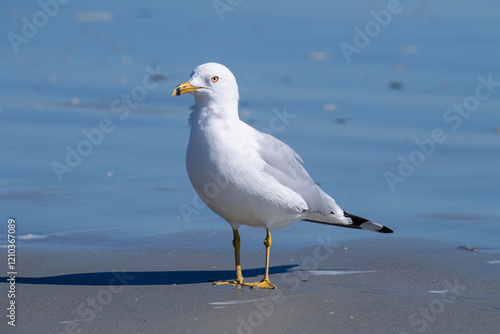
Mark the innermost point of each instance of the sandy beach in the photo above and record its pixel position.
(393, 107)
(365, 286)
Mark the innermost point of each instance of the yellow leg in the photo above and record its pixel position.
(239, 277)
(265, 283)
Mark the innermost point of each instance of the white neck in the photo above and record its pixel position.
(208, 108)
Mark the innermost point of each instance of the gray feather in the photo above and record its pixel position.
(285, 165)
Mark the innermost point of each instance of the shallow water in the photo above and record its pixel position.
(350, 122)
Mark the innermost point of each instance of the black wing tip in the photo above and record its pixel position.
(385, 230)
(358, 221)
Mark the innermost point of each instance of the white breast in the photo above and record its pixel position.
(226, 170)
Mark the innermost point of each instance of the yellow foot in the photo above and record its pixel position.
(264, 284)
(235, 282)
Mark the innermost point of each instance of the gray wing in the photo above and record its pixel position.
(285, 165)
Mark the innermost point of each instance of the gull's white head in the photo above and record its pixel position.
(210, 84)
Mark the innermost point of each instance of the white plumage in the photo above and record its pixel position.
(246, 176)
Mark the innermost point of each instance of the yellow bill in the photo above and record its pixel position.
(184, 88)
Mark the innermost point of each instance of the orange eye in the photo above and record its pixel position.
(215, 79)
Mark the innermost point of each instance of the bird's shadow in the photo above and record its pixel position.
(144, 277)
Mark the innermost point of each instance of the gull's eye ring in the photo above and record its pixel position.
(215, 79)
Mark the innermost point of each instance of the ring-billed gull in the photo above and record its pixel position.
(248, 177)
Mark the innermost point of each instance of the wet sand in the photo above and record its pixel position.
(125, 245)
(373, 285)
